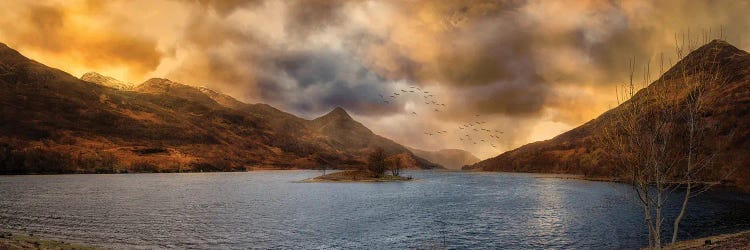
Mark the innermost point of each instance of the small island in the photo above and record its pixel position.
(357, 176)
(375, 171)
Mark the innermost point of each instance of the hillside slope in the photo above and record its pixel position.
(727, 105)
(52, 122)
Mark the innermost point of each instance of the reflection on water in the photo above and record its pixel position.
(269, 210)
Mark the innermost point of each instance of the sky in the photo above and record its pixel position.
(528, 69)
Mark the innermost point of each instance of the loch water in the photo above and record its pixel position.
(271, 209)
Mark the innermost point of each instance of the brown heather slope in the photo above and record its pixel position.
(727, 105)
(448, 158)
(52, 122)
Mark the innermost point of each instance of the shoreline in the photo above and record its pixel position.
(579, 177)
(739, 240)
(17, 239)
(184, 172)
(715, 186)
(201, 172)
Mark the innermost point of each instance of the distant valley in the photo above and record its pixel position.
(449, 158)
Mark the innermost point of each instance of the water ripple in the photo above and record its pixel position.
(269, 210)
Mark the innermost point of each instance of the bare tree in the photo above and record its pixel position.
(698, 157)
(396, 166)
(323, 168)
(635, 140)
(656, 136)
(376, 162)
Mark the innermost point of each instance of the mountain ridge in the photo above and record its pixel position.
(106, 81)
(54, 122)
(574, 152)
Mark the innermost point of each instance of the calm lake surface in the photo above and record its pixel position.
(267, 209)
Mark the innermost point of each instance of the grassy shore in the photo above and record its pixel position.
(357, 176)
(739, 240)
(12, 241)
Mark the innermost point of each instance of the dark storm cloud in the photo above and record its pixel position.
(312, 82)
(516, 98)
(501, 57)
(310, 16)
(225, 7)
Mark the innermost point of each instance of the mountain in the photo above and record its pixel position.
(106, 81)
(449, 158)
(727, 105)
(52, 122)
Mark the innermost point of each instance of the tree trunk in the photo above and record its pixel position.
(688, 172)
(677, 220)
(647, 215)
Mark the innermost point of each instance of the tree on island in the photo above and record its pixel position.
(376, 162)
(395, 166)
(323, 168)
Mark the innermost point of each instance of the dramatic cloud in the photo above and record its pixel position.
(531, 69)
(57, 31)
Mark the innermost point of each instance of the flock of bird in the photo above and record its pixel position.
(414, 90)
(472, 132)
(476, 126)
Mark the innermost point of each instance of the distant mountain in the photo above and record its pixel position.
(727, 105)
(52, 122)
(106, 81)
(449, 158)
